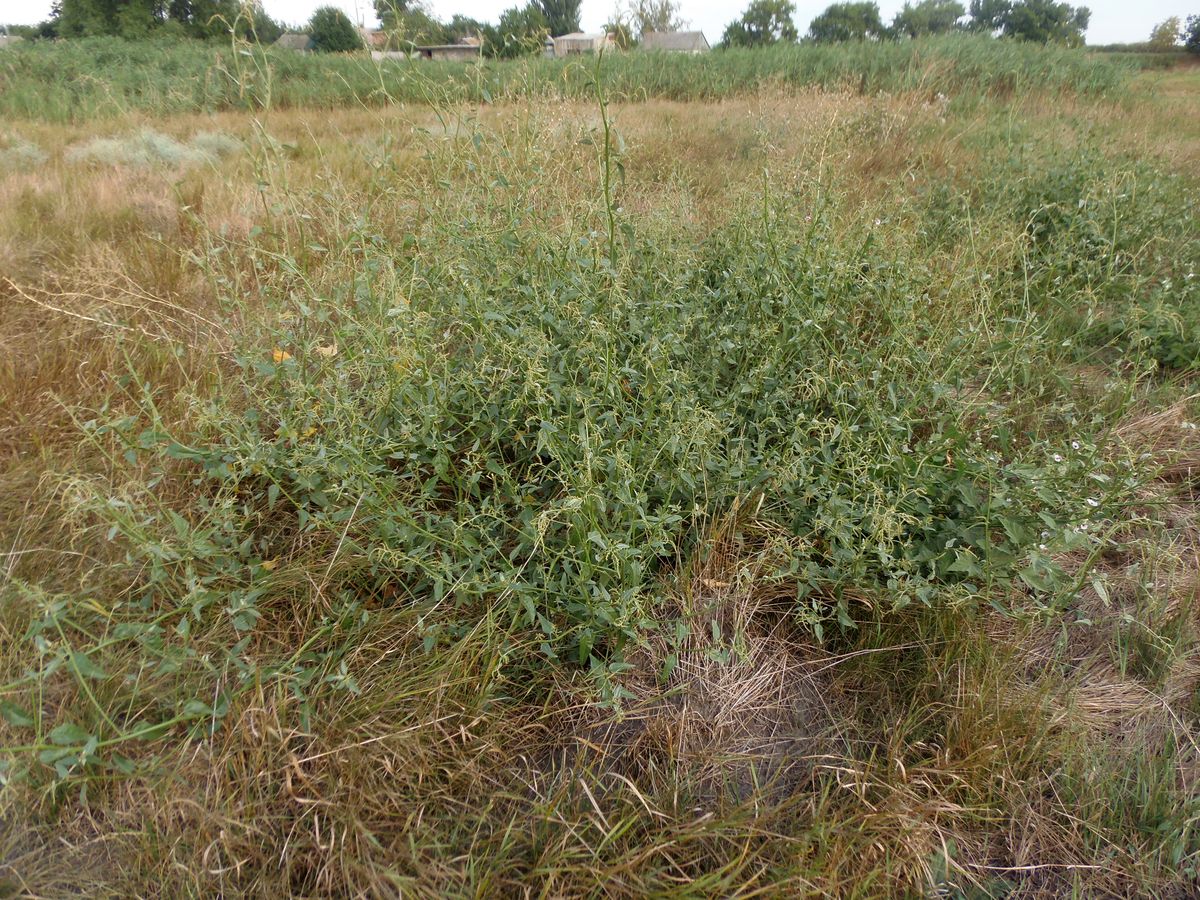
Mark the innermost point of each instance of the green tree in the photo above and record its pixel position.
(203, 18)
(1047, 22)
(654, 15)
(257, 25)
(461, 27)
(928, 17)
(332, 31)
(989, 15)
(622, 31)
(764, 22)
(847, 22)
(132, 18)
(140, 18)
(1191, 34)
(522, 31)
(562, 16)
(1042, 21)
(1165, 35)
(411, 24)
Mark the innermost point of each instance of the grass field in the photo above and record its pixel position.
(107, 77)
(785, 489)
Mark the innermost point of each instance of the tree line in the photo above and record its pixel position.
(523, 29)
(1045, 21)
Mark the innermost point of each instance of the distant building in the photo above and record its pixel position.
(676, 41)
(293, 40)
(548, 47)
(374, 40)
(578, 43)
(452, 52)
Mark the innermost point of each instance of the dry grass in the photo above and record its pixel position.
(919, 750)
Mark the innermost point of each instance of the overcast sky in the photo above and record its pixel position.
(1113, 21)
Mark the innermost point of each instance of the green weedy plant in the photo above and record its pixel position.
(493, 418)
(1103, 251)
(465, 424)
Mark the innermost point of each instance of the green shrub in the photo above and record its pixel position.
(333, 32)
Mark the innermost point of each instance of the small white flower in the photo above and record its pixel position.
(1092, 503)
(1058, 457)
(1074, 445)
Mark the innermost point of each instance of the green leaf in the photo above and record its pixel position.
(197, 709)
(85, 667)
(15, 715)
(69, 734)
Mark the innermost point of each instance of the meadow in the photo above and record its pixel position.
(563, 480)
(105, 77)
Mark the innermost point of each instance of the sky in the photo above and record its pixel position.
(1113, 21)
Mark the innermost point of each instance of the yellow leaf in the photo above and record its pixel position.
(327, 352)
(310, 431)
(270, 564)
(280, 355)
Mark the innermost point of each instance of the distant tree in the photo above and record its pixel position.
(83, 18)
(1191, 34)
(141, 18)
(256, 25)
(1042, 21)
(413, 25)
(332, 31)
(764, 22)
(1047, 22)
(621, 30)
(461, 27)
(1165, 35)
(522, 31)
(46, 30)
(989, 15)
(562, 16)
(388, 11)
(655, 15)
(847, 22)
(203, 18)
(928, 17)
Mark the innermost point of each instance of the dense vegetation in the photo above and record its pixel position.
(100, 77)
(522, 30)
(783, 483)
